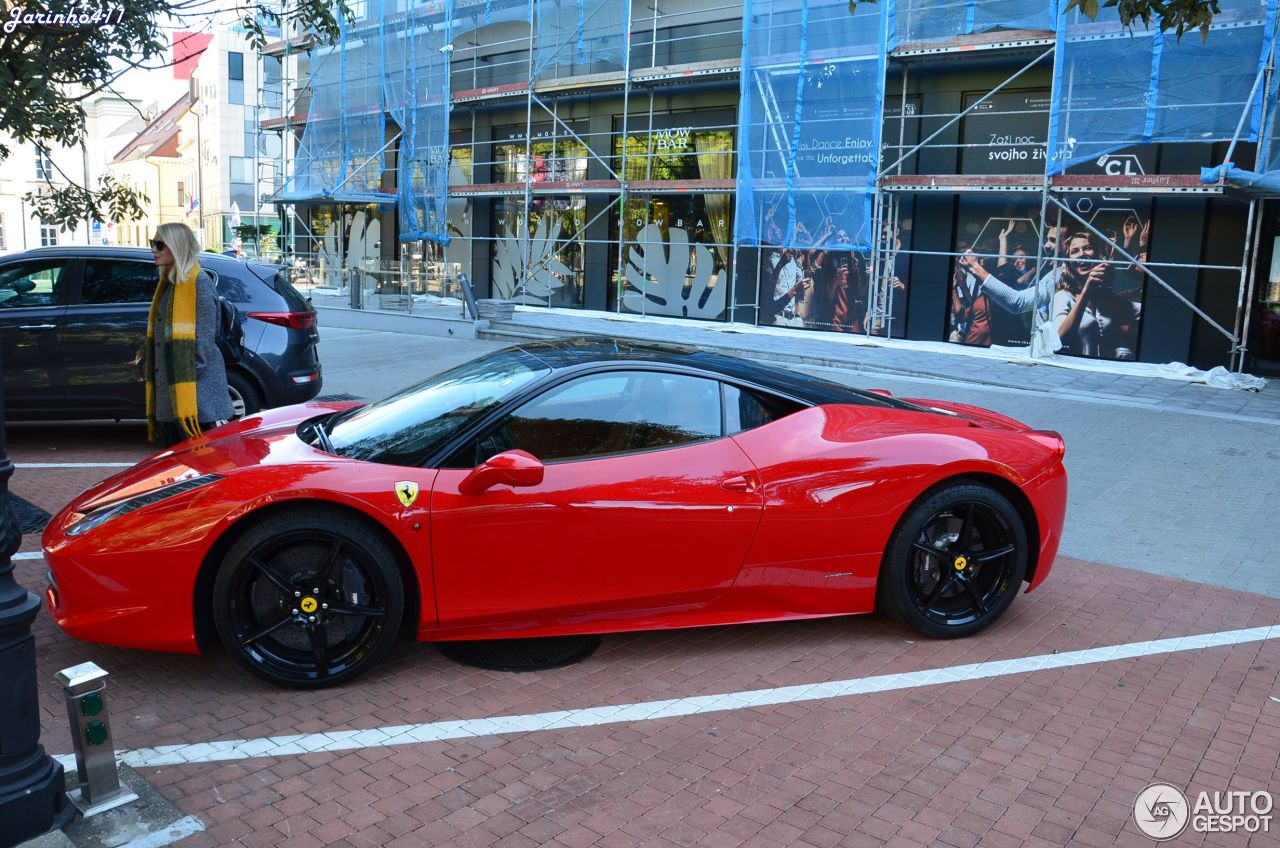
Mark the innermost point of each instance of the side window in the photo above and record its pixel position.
(746, 410)
(31, 283)
(118, 281)
(604, 414)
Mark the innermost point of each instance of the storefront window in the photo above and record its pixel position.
(547, 158)
(537, 258)
(676, 256)
(342, 243)
(459, 214)
(678, 153)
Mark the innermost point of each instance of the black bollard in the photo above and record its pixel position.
(32, 795)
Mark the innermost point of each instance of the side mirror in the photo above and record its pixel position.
(513, 467)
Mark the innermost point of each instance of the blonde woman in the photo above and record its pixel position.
(186, 377)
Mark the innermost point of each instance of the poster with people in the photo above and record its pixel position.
(825, 283)
(821, 285)
(1082, 286)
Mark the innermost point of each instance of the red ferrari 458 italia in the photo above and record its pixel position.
(558, 488)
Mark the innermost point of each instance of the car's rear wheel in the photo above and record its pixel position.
(955, 562)
(308, 598)
(244, 396)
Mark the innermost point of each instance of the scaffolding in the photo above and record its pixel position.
(816, 128)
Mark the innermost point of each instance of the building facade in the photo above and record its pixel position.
(941, 172)
(109, 122)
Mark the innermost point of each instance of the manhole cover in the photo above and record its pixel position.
(31, 518)
(521, 654)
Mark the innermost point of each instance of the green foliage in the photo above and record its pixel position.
(68, 205)
(49, 69)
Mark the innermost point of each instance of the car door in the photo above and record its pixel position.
(643, 505)
(33, 296)
(103, 337)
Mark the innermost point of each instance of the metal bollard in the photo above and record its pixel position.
(100, 788)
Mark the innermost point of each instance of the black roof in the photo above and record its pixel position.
(213, 261)
(560, 354)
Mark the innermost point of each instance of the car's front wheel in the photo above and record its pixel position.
(955, 562)
(308, 598)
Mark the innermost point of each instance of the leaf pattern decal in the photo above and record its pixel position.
(528, 267)
(658, 278)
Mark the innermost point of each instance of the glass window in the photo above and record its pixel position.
(537, 252)
(241, 169)
(547, 158)
(242, 196)
(235, 66)
(44, 165)
(746, 410)
(682, 244)
(605, 414)
(48, 233)
(31, 283)
(678, 153)
(408, 427)
(117, 281)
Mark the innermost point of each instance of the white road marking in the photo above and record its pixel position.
(167, 835)
(74, 464)
(413, 734)
(29, 555)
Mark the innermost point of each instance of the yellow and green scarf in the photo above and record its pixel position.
(180, 361)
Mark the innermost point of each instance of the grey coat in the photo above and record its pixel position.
(213, 401)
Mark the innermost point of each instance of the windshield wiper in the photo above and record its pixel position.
(322, 436)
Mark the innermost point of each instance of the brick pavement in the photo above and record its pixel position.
(1045, 758)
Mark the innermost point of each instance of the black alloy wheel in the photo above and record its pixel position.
(955, 562)
(308, 599)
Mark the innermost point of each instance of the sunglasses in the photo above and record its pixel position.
(157, 246)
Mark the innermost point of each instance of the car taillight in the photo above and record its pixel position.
(292, 320)
(1053, 441)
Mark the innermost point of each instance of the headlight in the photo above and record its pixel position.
(103, 514)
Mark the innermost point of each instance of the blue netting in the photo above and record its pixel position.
(468, 19)
(416, 88)
(363, 119)
(810, 105)
(579, 36)
(1115, 89)
(925, 20)
(317, 167)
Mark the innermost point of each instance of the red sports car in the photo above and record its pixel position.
(565, 487)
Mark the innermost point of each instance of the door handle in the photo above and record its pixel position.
(37, 326)
(740, 483)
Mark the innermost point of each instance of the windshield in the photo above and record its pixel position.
(408, 427)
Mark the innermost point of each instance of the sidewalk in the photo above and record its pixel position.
(1137, 384)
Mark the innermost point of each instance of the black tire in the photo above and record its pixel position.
(308, 598)
(245, 399)
(955, 562)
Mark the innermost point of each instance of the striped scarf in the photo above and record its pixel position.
(180, 357)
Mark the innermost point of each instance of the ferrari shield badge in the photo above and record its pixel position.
(407, 492)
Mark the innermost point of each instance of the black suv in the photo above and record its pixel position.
(73, 324)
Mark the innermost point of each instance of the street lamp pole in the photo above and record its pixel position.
(32, 794)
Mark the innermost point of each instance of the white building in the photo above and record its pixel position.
(110, 121)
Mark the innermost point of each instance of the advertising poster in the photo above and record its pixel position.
(822, 282)
(1082, 286)
(1090, 293)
